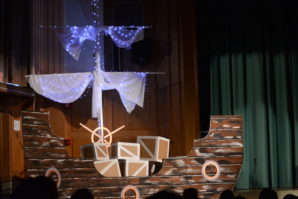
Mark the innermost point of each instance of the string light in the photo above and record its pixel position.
(66, 88)
(123, 37)
(130, 85)
(73, 37)
(131, 27)
(62, 88)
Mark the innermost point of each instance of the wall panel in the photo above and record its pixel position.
(13, 101)
(170, 108)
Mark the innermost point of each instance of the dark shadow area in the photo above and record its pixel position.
(165, 194)
(268, 193)
(226, 194)
(248, 26)
(231, 27)
(190, 193)
(35, 188)
(82, 193)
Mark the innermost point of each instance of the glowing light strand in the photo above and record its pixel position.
(123, 36)
(66, 88)
(62, 88)
(73, 38)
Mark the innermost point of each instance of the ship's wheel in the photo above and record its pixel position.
(106, 137)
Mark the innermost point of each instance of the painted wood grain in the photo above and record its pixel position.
(44, 150)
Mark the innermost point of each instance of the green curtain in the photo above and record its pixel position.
(251, 50)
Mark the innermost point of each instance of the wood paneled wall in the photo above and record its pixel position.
(176, 55)
(24, 49)
(47, 53)
(170, 108)
(13, 101)
(15, 40)
(188, 72)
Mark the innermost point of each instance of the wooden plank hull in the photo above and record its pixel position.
(223, 145)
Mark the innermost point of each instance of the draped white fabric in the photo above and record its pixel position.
(66, 88)
(123, 37)
(130, 86)
(73, 37)
(62, 88)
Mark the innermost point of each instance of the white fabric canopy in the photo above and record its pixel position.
(73, 38)
(130, 86)
(124, 37)
(62, 88)
(66, 88)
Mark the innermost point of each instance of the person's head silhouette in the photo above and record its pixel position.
(165, 194)
(290, 196)
(226, 194)
(268, 193)
(83, 193)
(190, 193)
(35, 188)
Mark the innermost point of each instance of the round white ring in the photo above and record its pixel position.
(128, 187)
(210, 163)
(54, 170)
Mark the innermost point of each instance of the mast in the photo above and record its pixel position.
(97, 14)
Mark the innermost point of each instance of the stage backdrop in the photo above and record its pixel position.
(251, 51)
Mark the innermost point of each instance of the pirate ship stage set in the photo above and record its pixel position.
(212, 166)
(121, 169)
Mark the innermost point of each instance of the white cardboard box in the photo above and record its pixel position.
(108, 168)
(95, 151)
(134, 167)
(153, 148)
(125, 150)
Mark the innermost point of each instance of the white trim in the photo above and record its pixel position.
(141, 168)
(144, 164)
(108, 167)
(152, 169)
(155, 156)
(112, 163)
(134, 156)
(156, 152)
(105, 153)
(146, 148)
(119, 146)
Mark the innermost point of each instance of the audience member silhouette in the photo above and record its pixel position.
(226, 194)
(239, 197)
(290, 196)
(267, 193)
(4, 196)
(45, 188)
(165, 194)
(83, 193)
(35, 188)
(190, 193)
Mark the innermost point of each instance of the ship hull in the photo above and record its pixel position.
(212, 166)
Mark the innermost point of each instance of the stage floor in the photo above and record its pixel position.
(253, 194)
